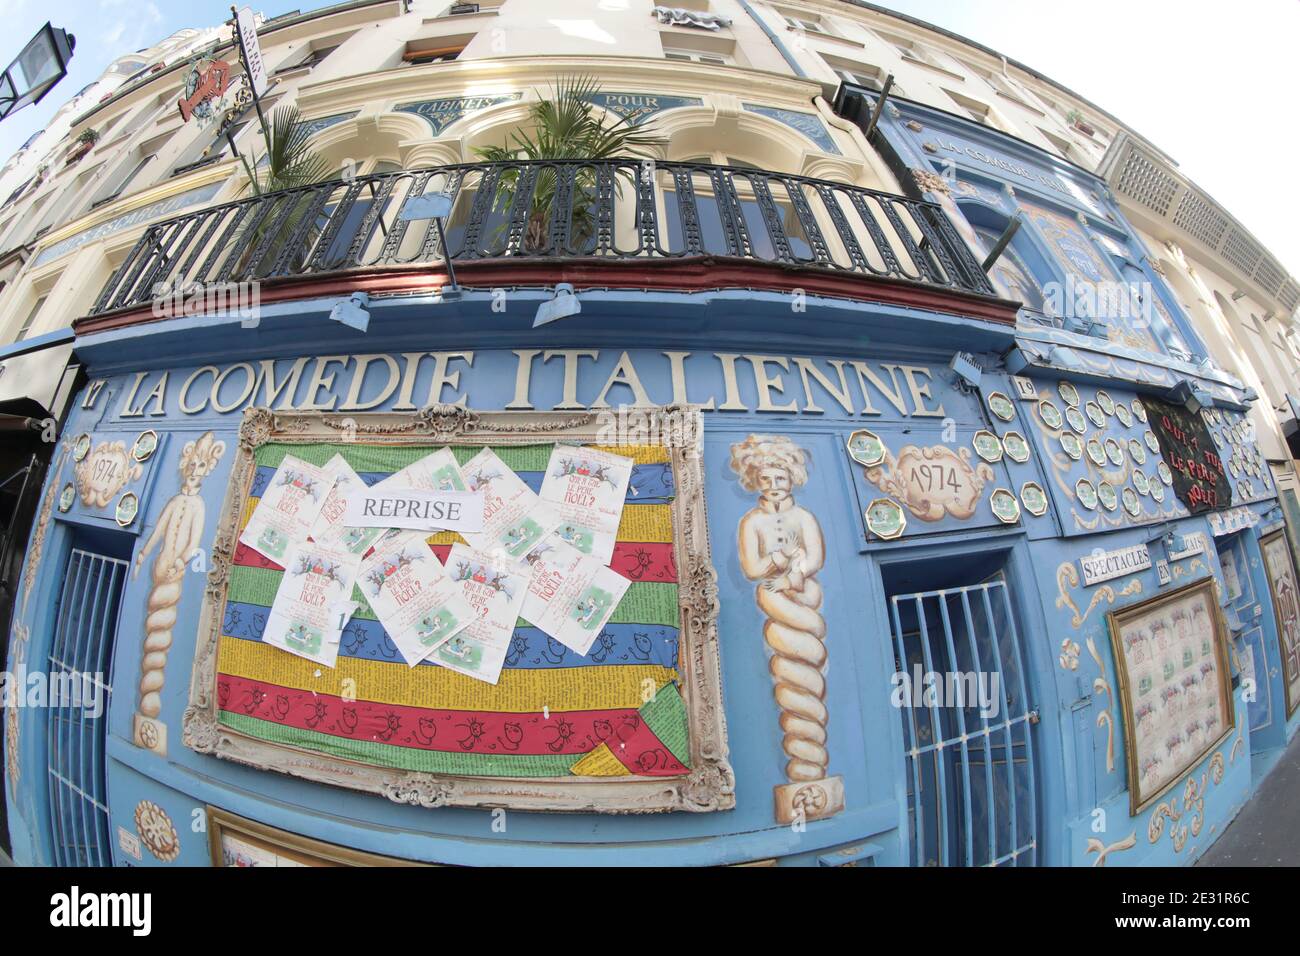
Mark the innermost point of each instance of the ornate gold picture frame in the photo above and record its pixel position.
(710, 783)
(236, 842)
(1162, 693)
(1286, 610)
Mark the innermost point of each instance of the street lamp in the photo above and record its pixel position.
(43, 62)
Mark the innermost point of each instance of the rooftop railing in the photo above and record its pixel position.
(620, 209)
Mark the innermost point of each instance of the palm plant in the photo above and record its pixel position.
(289, 163)
(565, 126)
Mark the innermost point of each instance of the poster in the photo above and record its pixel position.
(417, 603)
(1175, 685)
(329, 528)
(493, 585)
(434, 472)
(587, 488)
(1286, 610)
(313, 602)
(514, 518)
(288, 509)
(1187, 447)
(570, 596)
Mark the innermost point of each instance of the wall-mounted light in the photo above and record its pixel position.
(564, 304)
(966, 369)
(354, 312)
(1190, 395)
(41, 64)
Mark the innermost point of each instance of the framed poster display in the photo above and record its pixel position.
(1286, 608)
(580, 733)
(236, 842)
(1171, 657)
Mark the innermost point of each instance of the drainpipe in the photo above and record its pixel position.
(776, 40)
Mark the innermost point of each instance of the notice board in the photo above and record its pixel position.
(634, 725)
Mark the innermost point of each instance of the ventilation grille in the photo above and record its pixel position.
(1241, 251)
(1146, 182)
(1200, 218)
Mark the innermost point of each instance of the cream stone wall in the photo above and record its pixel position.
(789, 55)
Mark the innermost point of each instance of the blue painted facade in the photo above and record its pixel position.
(747, 350)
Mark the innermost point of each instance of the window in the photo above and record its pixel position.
(806, 22)
(433, 56)
(81, 649)
(859, 74)
(314, 55)
(461, 9)
(913, 51)
(208, 147)
(980, 112)
(113, 190)
(714, 58)
(1062, 146)
(438, 49)
(31, 319)
(714, 50)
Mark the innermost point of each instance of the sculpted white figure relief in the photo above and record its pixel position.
(780, 547)
(176, 536)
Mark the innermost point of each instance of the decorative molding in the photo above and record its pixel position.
(711, 783)
(809, 124)
(443, 113)
(1102, 850)
(156, 831)
(931, 182)
(1105, 718)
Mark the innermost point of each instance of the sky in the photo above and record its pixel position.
(1213, 85)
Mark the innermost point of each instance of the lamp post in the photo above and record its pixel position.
(35, 71)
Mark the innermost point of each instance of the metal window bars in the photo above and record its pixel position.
(79, 660)
(972, 798)
(618, 209)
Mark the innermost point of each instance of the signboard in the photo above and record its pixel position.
(641, 710)
(252, 51)
(1193, 543)
(1104, 565)
(1187, 447)
(1175, 686)
(411, 508)
(202, 86)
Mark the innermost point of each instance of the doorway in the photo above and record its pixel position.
(963, 699)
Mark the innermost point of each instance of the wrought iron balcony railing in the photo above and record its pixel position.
(595, 211)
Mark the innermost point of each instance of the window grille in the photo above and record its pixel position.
(972, 798)
(80, 657)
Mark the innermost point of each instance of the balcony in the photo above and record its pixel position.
(596, 223)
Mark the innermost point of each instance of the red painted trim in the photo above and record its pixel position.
(669, 275)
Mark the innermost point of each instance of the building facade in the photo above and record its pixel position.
(959, 517)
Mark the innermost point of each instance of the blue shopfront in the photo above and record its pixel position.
(889, 604)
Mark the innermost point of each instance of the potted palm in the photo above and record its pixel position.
(567, 125)
(289, 163)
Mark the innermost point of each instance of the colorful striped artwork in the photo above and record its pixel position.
(617, 711)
